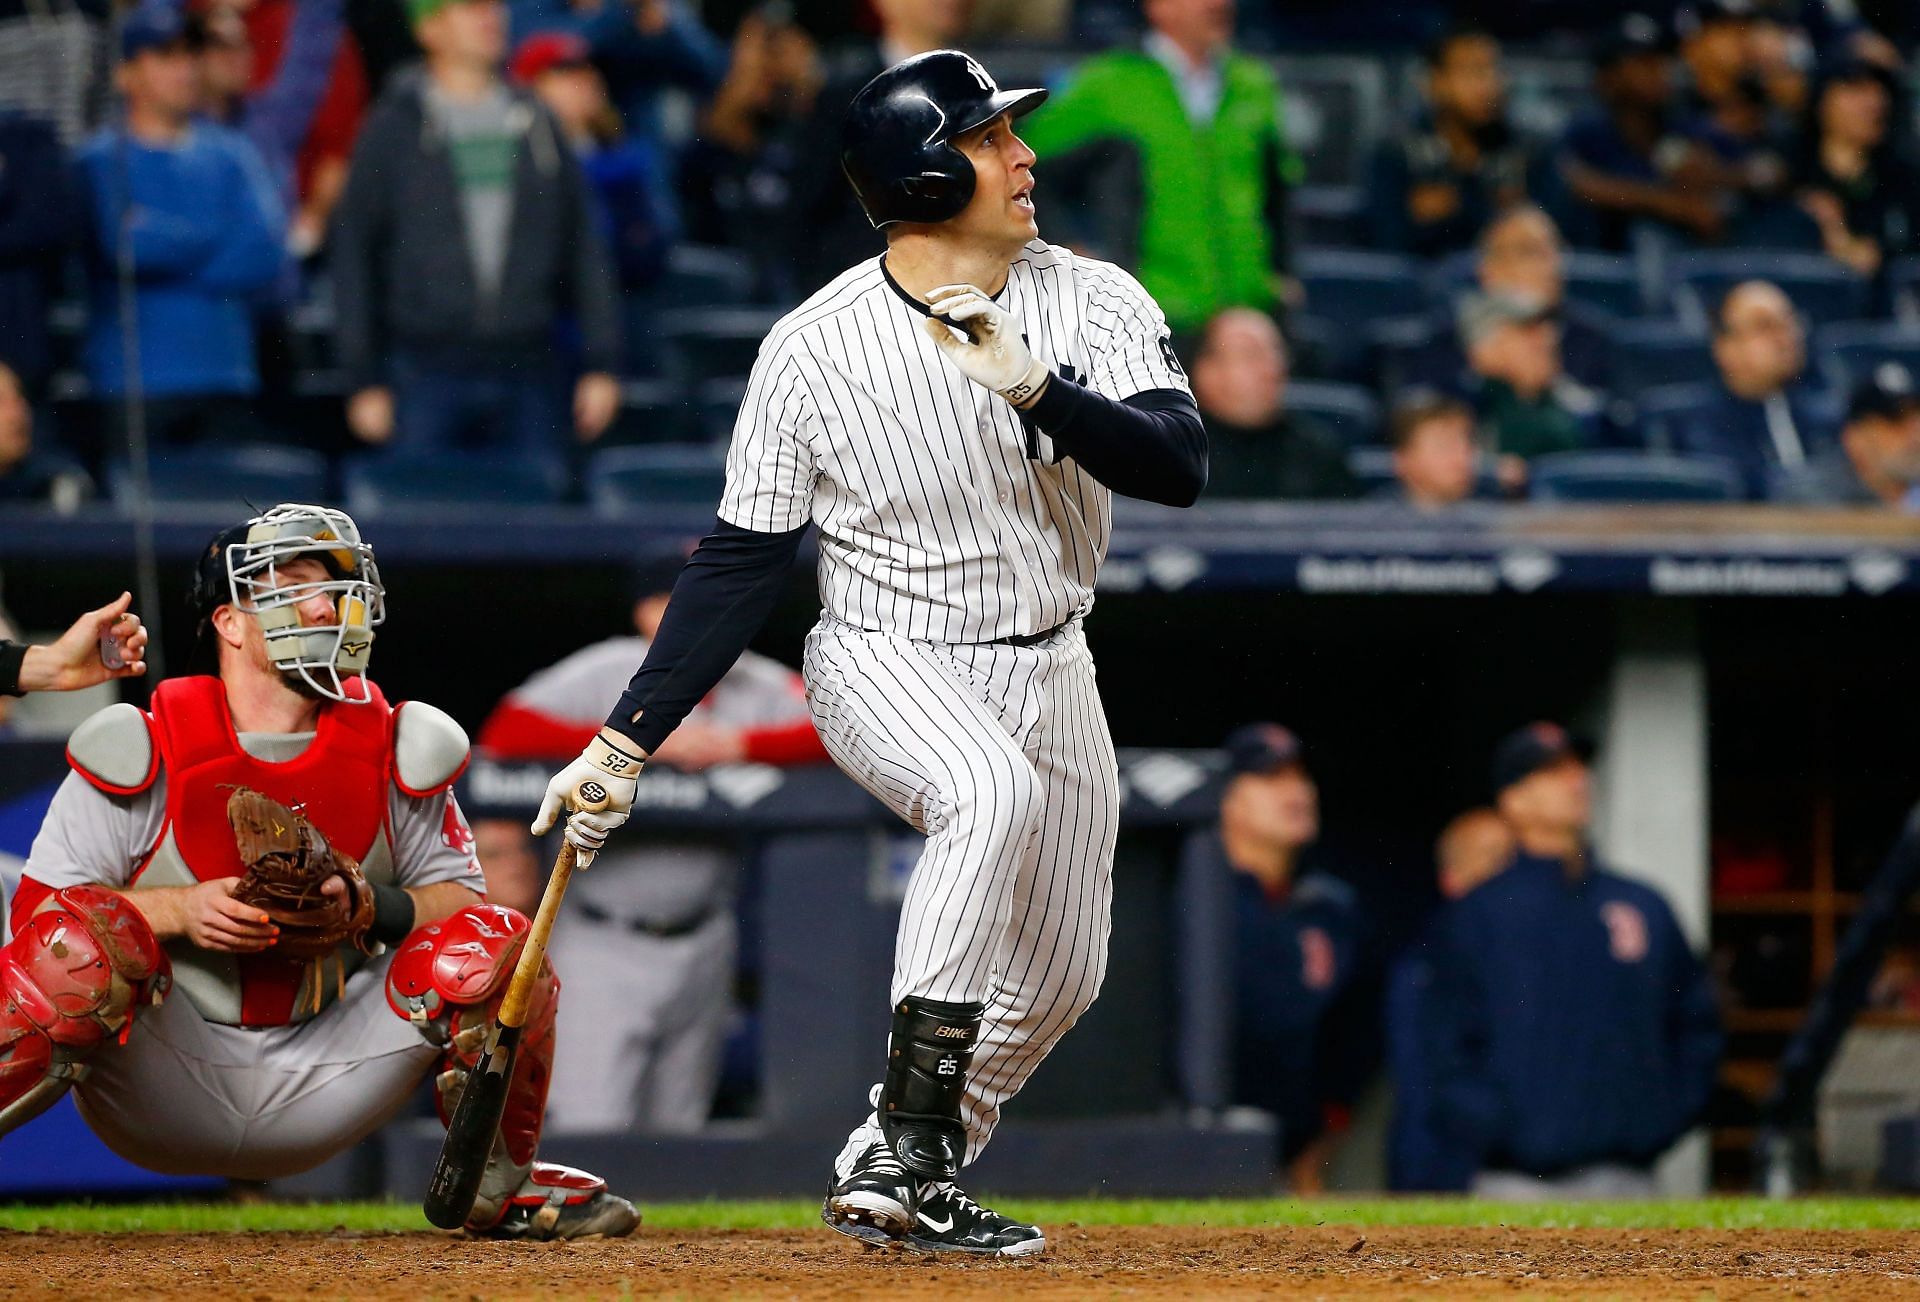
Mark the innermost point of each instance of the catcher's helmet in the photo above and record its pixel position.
(895, 145)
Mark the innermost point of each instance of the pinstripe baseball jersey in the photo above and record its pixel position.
(943, 516)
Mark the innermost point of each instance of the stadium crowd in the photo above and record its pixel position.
(523, 251)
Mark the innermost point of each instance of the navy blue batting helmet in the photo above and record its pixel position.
(896, 144)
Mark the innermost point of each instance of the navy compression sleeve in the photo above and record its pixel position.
(720, 600)
(1153, 446)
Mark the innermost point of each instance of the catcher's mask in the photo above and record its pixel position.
(241, 567)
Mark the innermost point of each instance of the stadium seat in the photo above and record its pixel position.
(461, 479)
(1655, 409)
(651, 411)
(699, 275)
(1633, 477)
(227, 476)
(1822, 290)
(1856, 347)
(710, 343)
(1647, 354)
(623, 481)
(1903, 283)
(1355, 288)
(1328, 216)
(1349, 411)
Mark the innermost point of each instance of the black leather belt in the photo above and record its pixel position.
(658, 930)
(1029, 639)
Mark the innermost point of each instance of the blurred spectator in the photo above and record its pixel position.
(276, 114)
(30, 474)
(1421, 1156)
(625, 174)
(648, 49)
(1527, 404)
(1521, 259)
(1298, 941)
(1435, 186)
(1730, 111)
(1626, 162)
(1037, 22)
(36, 222)
(644, 1051)
(1575, 1032)
(1436, 461)
(467, 239)
(1877, 460)
(1766, 411)
(828, 233)
(190, 210)
(1858, 186)
(737, 174)
(280, 30)
(1205, 226)
(1256, 447)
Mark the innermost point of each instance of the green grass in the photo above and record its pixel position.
(1708, 1213)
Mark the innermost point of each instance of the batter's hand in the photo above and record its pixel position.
(615, 763)
(982, 339)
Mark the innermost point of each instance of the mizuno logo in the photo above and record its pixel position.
(938, 1227)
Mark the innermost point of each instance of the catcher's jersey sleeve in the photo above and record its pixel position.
(432, 842)
(90, 837)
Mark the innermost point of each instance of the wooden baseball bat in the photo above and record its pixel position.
(476, 1119)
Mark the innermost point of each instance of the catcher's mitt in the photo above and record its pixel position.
(288, 860)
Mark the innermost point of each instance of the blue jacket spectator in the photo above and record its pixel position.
(1626, 162)
(36, 221)
(191, 206)
(1298, 948)
(1435, 188)
(1422, 1157)
(1579, 1033)
(1768, 411)
(644, 47)
(625, 174)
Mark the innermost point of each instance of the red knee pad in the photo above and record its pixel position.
(448, 978)
(75, 975)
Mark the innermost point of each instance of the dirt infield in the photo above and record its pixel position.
(1106, 1261)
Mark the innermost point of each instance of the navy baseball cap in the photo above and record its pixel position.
(1262, 748)
(150, 27)
(1887, 391)
(1525, 751)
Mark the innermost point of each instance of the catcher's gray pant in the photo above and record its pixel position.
(642, 1027)
(1001, 756)
(186, 1096)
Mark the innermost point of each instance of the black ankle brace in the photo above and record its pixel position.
(928, 1055)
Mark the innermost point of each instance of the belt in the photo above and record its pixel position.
(1029, 639)
(658, 930)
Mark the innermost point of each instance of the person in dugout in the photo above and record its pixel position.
(1299, 944)
(645, 1054)
(1575, 1035)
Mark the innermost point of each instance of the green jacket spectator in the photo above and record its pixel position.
(1199, 213)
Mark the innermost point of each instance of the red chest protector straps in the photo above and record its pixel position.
(340, 782)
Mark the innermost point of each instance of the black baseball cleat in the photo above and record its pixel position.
(948, 1221)
(873, 1198)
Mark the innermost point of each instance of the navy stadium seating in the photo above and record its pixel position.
(1822, 290)
(454, 480)
(1856, 347)
(227, 475)
(1348, 410)
(1633, 477)
(627, 480)
(1647, 354)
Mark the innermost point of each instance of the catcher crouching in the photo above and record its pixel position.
(269, 874)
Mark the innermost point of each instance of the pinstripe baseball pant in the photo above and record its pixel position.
(1000, 755)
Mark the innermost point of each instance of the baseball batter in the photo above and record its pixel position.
(953, 417)
(279, 853)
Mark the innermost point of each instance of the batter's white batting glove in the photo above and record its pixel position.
(615, 764)
(984, 342)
